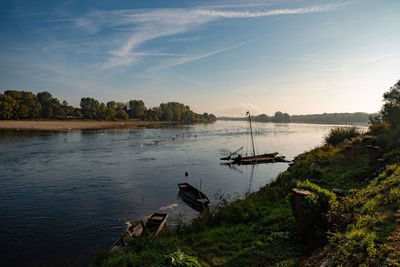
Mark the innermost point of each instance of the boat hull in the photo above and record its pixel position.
(193, 196)
(265, 158)
(155, 224)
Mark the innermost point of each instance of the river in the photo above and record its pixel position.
(64, 196)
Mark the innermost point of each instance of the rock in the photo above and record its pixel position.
(338, 192)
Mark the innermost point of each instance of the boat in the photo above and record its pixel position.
(194, 196)
(254, 159)
(231, 154)
(154, 225)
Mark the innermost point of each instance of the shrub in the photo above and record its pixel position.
(323, 198)
(339, 134)
(179, 259)
(379, 128)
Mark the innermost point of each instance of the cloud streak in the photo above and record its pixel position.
(144, 25)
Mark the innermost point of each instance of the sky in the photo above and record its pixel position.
(220, 57)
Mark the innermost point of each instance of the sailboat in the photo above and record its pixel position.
(254, 159)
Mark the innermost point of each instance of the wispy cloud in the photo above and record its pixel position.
(141, 26)
(190, 58)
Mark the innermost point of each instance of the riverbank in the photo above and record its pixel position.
(59, 125)
(359, 225)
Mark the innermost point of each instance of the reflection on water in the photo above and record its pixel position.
(66, 195)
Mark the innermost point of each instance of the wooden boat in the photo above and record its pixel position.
(264, 158)
(194, 195)
(231, 154)
(254, 159)
(154, 224)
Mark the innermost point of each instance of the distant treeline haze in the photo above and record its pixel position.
(312, 118)
(16, 105)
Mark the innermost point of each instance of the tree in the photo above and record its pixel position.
(121, 114)
(77, 113)
(28, 106)
(51, 106)
(263, 118)
(281, 117)
(278, 117)
(102, 112)
(45, 100)
(188, 116)
(391, 108)
(8, 106)
(69, 110)
(136, 109)
(89, 108)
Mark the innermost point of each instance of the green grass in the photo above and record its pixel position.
(367, 218)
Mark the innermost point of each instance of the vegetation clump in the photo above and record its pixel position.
(323, 199)
(339, 134)
(179, 259)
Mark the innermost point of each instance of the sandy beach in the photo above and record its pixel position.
(79, 125)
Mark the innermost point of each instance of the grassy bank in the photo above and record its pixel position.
(361, 227)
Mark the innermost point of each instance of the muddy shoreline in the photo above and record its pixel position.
(81, 125)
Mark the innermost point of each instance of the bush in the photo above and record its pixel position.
(338, 135)
(323, 198)
(379, 128)
(179, 259)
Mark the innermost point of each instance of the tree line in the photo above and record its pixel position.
(311, 118)
(17, 105)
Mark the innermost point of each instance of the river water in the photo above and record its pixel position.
(66, 195)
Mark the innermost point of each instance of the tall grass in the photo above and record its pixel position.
(338, 135)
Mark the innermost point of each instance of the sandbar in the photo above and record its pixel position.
(79, 125)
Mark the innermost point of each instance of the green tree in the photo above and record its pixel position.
(51, 106)
(121, 114)
(89, 108)
(8, 106)
(188, 116)
(28, 105)
(391, 108)
(281, 117)
(69, 110)
(77, 113)
(47, 103)
(136, 109)
(103, 112)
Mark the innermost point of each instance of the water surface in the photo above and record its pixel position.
(66, 195)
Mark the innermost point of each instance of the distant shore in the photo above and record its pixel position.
(80, 125)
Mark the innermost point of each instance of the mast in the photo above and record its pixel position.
(251, 133)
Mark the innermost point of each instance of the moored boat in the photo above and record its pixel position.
(194, 195)
(154, 224)
(254, 159)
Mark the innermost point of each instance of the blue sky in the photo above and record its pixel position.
(223, 57)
